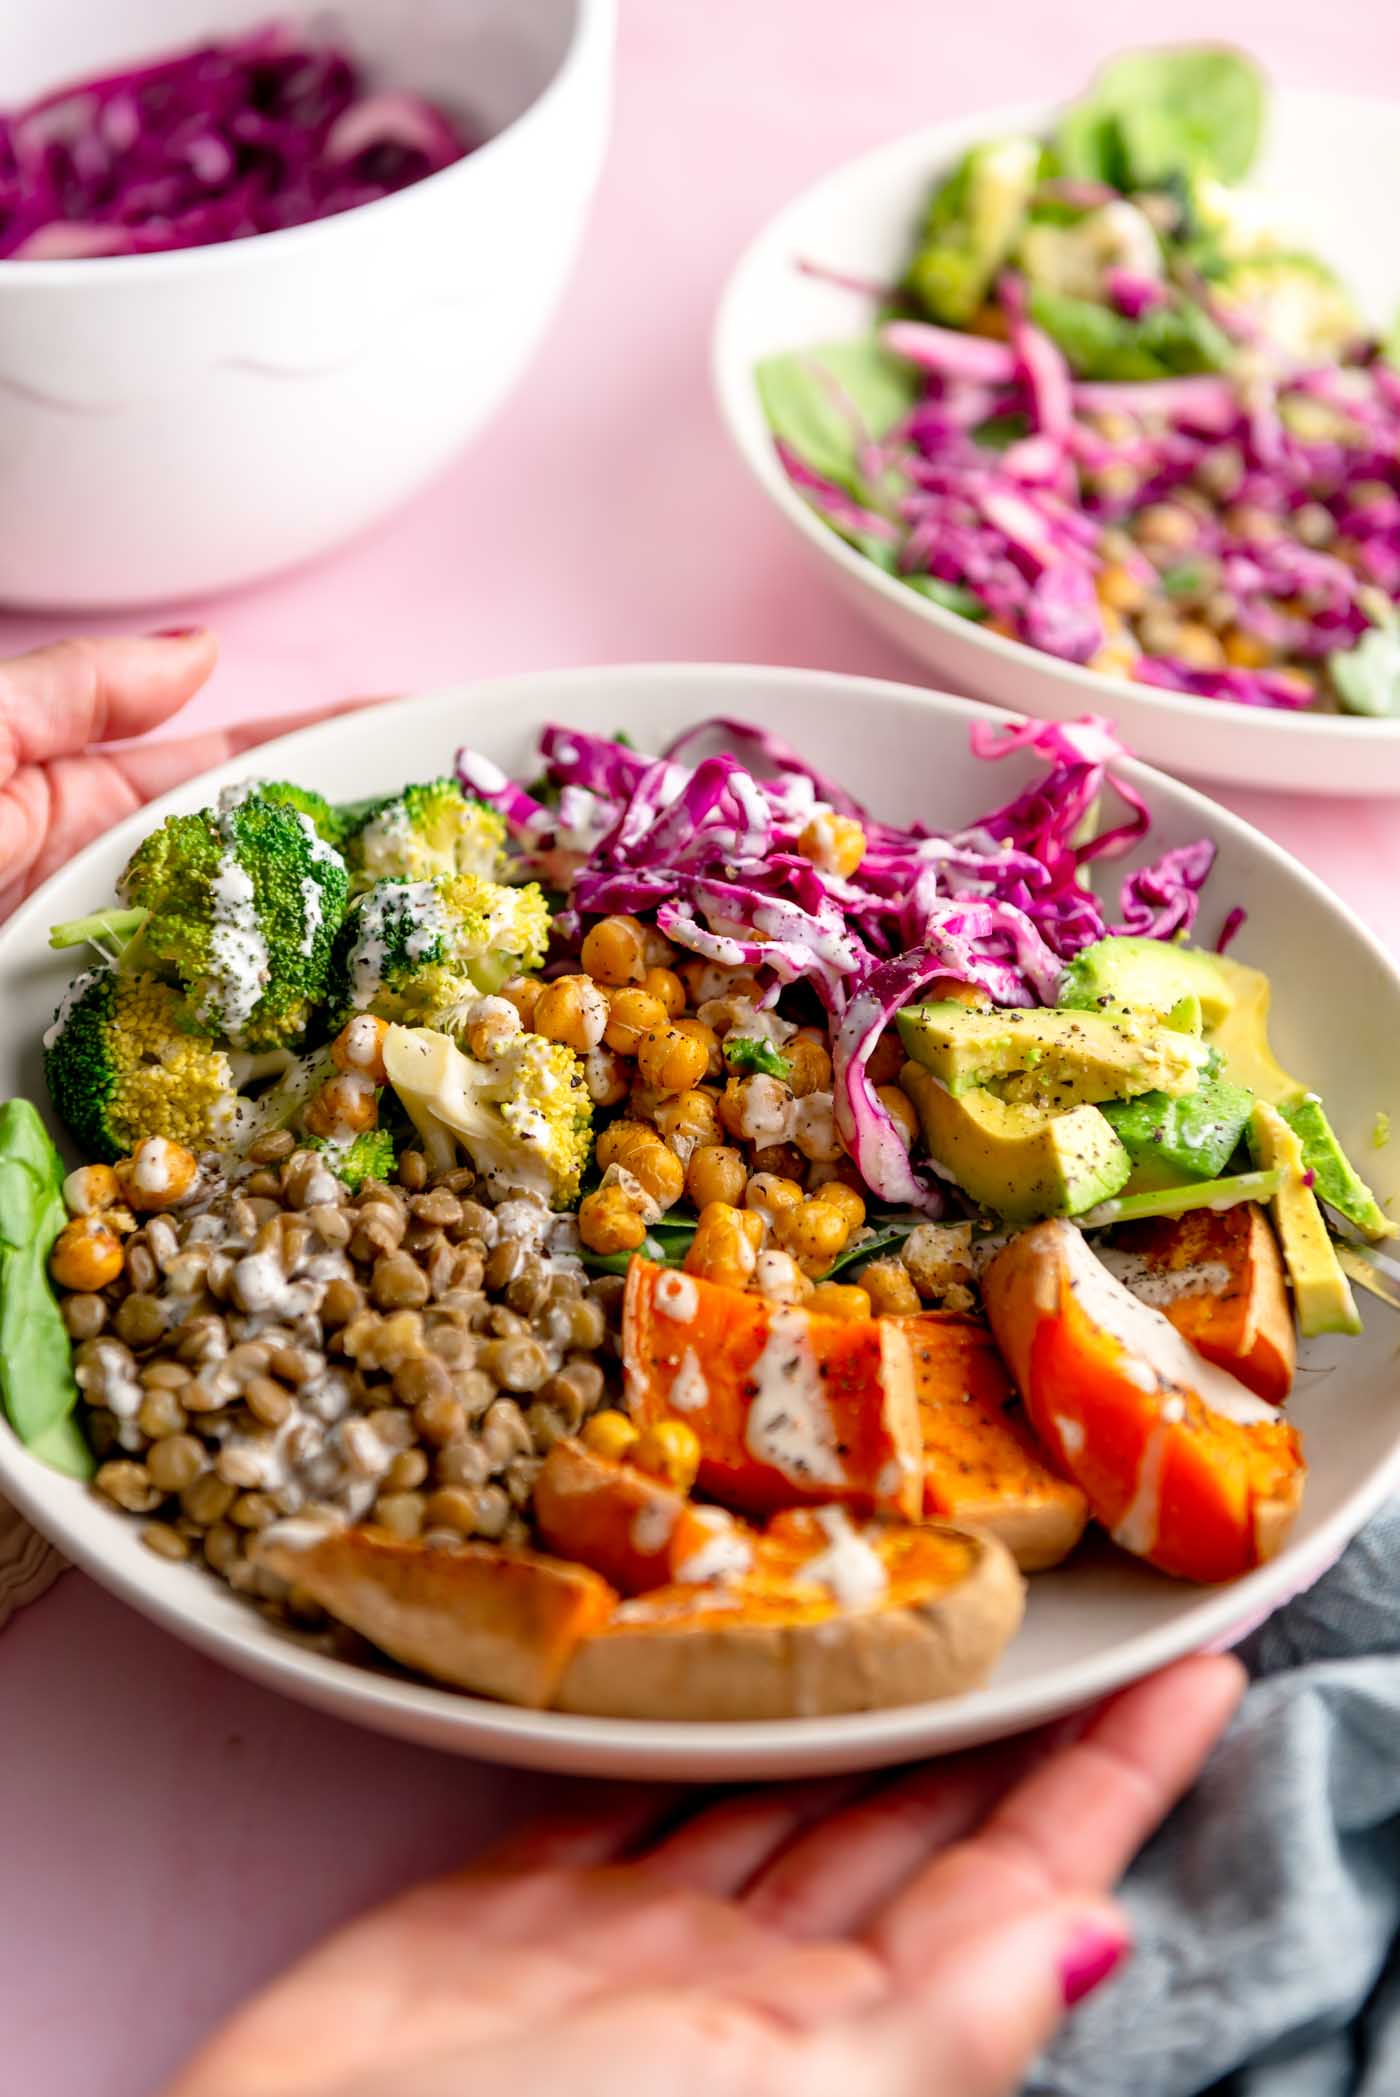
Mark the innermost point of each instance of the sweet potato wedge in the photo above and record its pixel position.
(1182, 1464)
(1219, 1278)
(773, 1645)
(499, 1622)
(981, 1465)
(788, 1407)
(636, 1531)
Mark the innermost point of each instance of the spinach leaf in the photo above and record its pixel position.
(886, 1233)
(820, 400)
(743, 1053)
(36, 1362)
(1152, 116)
(1103, 344)
(954, 597)
(1367, 677)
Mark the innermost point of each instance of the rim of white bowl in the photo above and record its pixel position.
(552, 1739)
(733, 386)
(594, 30)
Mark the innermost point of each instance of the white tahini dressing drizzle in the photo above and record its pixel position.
(1142, 1518)
(724, 1555)
(848, 1569)
(414, 903)
(677, 1297)
(1167, 1359)
(238, 957)
(789, 1422)
(689, 1391)
(76, 991)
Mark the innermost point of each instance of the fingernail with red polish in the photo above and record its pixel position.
(173, 633)
(1093, 1955)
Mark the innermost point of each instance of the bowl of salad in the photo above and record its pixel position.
(560, 1222)
(1098, 407)
(260, 269)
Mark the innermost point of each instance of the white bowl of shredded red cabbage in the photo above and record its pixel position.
(260, 275)
(1209, 552)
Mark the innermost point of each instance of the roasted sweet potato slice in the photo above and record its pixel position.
(637, 1531)
(502, 1623)
(1219, 1278)
(788, 1407)
(981, 1465)
(1182, 1464)
(933, 1618)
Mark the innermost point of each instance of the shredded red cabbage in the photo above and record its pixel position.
(1023, 525)
(211, 144)
(718, 848)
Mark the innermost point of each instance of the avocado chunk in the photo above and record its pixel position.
(1147, 976)
(1335, 1178)
(1048, 1058)
(1242, 1040)
(1193, 1137)
(1322, 1298)
(1019, 1160)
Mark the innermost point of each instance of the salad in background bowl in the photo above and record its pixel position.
(657, 1237)
(1058, 376)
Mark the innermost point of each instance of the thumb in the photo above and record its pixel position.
(973, 2026)
(56, 701)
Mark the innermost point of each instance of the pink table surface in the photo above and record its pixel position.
(171, 1836)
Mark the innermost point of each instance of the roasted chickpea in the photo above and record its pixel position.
(726, 1245)
(666, 987)
(814, 1233)
(524, 992)
(887, 1059)
(778, 1277)
(840, 1300)
(715, 1173)
(573, 1010)
(809, 1065)
(636, 1149)
(608, 1221)
(90, 1190)
(344, 1102)
(891, 1291)
(86, 1255)
(359, 1047)
(669, 1450)
(671, 1060)
(837, 1195)
(159, 1175)
(613, 950)
(901, 1111)
(610, 1434)
(770, 1193)
(834, 842)
(688, 1119)
(632, 1014)
(696, 1030)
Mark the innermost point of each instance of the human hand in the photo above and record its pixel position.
(916, 1936)
(58, 791)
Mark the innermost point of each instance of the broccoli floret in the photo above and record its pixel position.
(328, 822)
(425, 831)
(120, 1067)
(522, 1114)
(243, 903)
(369, 1157)
(1294, 300)
(410, 950)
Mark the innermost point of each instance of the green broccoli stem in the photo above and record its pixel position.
(110, 931)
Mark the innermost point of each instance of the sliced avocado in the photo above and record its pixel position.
(1147, 976)
(1021, 1161)
(1046, 1057)
(1194, 1137)
(1186, 1016)
(1322, 1298)
(1179, 1201)
(1242, 1040)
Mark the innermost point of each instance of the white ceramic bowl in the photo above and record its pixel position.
(1095, 1625)
(175, 424)
(1330, 165)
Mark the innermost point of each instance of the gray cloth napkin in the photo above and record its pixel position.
(1267, 1910)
